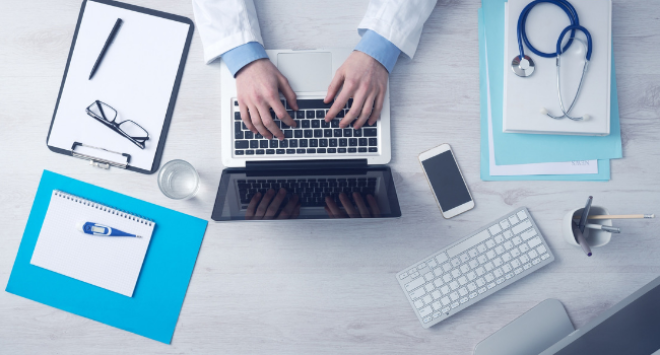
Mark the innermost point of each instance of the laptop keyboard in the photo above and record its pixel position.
(311, 136)
(311, 191)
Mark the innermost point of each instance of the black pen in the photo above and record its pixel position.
(107, 44)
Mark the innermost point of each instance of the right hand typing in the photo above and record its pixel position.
(258, 85)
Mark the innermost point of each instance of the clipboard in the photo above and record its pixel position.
(140, 76)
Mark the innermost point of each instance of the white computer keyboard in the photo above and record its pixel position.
(475, 267)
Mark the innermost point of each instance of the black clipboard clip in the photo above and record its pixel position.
(101, 162)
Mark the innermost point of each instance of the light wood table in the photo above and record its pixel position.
(324, 287)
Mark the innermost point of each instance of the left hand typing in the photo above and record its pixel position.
(365, 80)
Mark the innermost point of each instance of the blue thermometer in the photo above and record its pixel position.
(101, 230)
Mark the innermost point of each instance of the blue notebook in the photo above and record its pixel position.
(161, 287)
(603, 164)
(539, 148)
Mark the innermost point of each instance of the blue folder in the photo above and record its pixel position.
(539, 148)
(603, 164)
(154, 309)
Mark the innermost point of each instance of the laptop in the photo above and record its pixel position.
(322, 170)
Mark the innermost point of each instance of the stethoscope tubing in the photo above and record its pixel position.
(522, 20)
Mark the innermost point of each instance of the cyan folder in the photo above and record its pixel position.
(154, 309)
(603, 164)
(516, 148)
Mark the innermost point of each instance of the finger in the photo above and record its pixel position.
(252, 206)
(362, 207)
(334, 209)
(245, 117)
(264, 112)
(288, 209)
(366, 111)
(354, 112)
(340, 102)
(275, 205)
(261, 210)
(296, 212)
(335, 85)
(280, 112)
(348, 206)
(375, 210)
(256, 120)
(378, 108)
(288, 92)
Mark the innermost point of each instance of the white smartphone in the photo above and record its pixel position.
(446, 180)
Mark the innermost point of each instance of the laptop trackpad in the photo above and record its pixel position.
(306, 71)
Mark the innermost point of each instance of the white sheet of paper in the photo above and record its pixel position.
(136, 77)
(113, 263)
(559, 168)
(524, 97)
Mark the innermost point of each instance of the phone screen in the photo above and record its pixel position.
(446, 180)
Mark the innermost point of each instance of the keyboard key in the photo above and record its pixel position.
(414, 284)
(528, 234)
(325, 124)
(425, 311)
(468, 243)
(293, 143)
(279, 151)
(321, 150)
(522, 215)
(290, 151)
(300, 114)
(249, 152)
(313, 143)
(348, 132)
(352, 150)
(513, 220)
(313, 104)
(316, 124)
(373, 142)
(495, 229)
(309, 114)
(534, 242)
(343, 142)
(242, 144)
(363, 142)
(254, 144)
(341, 150)
(419, 304)
(357, 132)
(302, 143)
(332, 150)
(338, 132)
(441, 258)
(311, 150)
(260, 152)
(305, 124)
(284, 144)
(362, 150)
(352, 142)
(517, 229)
(300, 151)
(239, 152)
(309, 133)
(270, 151)
(418, 293)
(334, 123)
(237, 116)
(327, 133)
(273, 143)
(238, 135)
(505, 224)
(370, 132)
(263, 144)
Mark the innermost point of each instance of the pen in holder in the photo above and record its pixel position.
(594, 237)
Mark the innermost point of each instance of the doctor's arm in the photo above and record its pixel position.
(230, 30)
(388, 28)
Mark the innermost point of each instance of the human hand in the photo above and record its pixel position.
(258, 85)
(365, 80)
(270, 205)
(362, 211)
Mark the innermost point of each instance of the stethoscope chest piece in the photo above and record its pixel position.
(523, 68)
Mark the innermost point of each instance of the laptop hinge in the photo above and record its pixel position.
(307, 164)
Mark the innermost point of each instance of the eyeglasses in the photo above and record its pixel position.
(107, 115)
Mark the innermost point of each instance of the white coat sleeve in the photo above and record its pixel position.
(398, 21)
(225, 24)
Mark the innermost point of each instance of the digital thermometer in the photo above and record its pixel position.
(101, 230)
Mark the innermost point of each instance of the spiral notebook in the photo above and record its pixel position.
(113, 263)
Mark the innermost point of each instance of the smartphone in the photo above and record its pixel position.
(446, 180)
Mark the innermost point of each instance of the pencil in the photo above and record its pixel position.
(619, 216)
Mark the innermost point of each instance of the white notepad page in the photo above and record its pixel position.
(113, 263)
(524, 97)
(136, 77)
(551, 168)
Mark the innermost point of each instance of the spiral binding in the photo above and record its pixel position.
(104, 208)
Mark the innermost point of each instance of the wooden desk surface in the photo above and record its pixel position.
(317, 287)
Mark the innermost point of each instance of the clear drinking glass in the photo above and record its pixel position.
(178, 180)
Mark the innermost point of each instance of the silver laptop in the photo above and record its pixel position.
(309, 73)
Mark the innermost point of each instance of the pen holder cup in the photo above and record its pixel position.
(594, 237)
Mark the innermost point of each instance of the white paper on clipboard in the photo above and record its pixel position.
(136, 77)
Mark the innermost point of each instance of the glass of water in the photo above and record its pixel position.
(178, 180)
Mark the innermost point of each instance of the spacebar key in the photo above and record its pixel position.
(468, 243)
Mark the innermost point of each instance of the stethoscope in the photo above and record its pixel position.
(523, 65)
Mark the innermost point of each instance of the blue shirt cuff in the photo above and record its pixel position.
(243, 55)
(379, 48)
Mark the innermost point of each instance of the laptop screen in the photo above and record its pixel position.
(246, 194)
